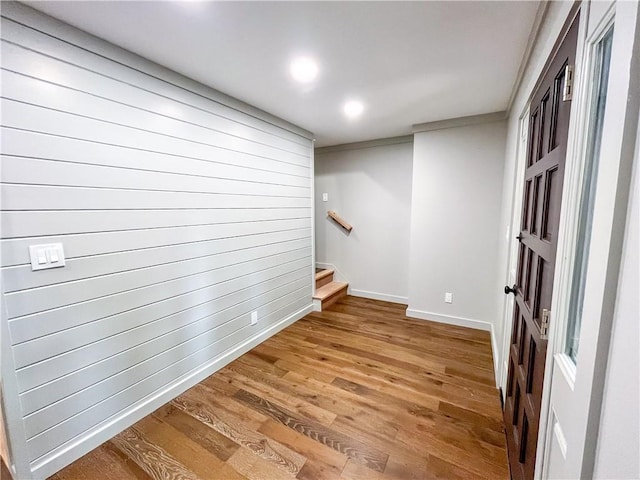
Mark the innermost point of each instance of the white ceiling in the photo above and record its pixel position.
(408, 62)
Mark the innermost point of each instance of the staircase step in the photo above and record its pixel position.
(323, 277)
(329, 289)
(331, 293)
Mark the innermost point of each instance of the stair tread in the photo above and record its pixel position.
(329, 289)
(324, 273)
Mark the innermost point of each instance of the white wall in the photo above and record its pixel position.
(370, 187)
(181, 211)
(457, 184)
(618, 450)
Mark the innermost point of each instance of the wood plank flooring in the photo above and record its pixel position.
(355, 392)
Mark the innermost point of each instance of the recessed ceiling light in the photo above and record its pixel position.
(304, 69)
(353, 108)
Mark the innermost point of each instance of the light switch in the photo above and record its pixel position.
(50, 255)
(325, 197)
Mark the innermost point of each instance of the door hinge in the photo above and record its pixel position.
(544, 324)
(567, 91)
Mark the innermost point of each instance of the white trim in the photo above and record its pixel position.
(459, 122)
(567, 368)
(450, 320)
(134, 413)
(317, 305)
(385, 297)
(560, 438)
(325, 265)
(515, 219)
(494, 355)
(380, 142)
(11, 409)
(505, 367)
(313, 226)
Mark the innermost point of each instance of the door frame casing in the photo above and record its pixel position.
(512, 260)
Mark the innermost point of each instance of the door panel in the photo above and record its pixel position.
(548, 135)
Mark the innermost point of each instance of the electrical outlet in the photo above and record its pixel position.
(254, 318)
(448, 297)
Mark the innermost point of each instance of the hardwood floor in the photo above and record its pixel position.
(4, 470)
(355, 392)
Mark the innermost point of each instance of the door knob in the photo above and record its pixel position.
(508, 289)
(519, 237)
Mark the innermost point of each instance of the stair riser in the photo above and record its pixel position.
(323, 281)
(327, 302)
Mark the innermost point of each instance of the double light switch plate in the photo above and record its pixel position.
(49, 255)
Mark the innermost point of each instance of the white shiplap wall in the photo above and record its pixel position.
(181, 211)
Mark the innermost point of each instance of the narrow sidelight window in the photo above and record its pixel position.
(585, 216)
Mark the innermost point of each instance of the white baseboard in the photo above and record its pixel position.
(378, 296)
(503, 377)
(338, 276)
(317, 305)
(103, 432)
(494, 356)
(449, 320)
(323, 265)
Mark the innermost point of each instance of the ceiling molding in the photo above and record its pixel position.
(459, 122)
(541, 14)
(381, 142)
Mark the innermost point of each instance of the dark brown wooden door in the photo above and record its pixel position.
(547, 147)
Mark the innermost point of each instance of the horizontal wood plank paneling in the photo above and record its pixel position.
(137, 73)
(44, 172)
(80, 198)
(155, 355)
(180, 215)
(31, 223)
(15, 251)
(55, 122)
(105, 370)
(71, 149)
(21, 277)
(27, 64)
(50, 96)
(176, 311)
(50, 321)
(85, 419)
(216, 269)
